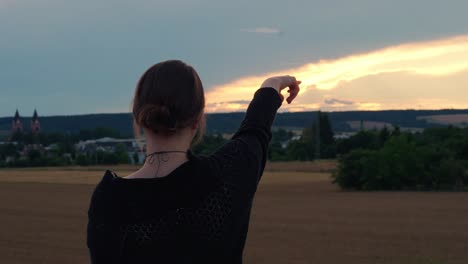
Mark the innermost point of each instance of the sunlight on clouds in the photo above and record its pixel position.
(302, 107)
(399, 90)
(432, 58)
(369, 106)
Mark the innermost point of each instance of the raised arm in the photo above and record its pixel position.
(243, 158)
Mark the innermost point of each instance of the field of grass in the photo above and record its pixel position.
(298, 217)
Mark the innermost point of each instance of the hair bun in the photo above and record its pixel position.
(169, 97)
(157, 118)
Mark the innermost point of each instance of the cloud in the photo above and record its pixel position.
(438, 58)
(5, 3)
(239, 102)
(333, 101)
(398, 90)
(262, 30)
(228, 106)
(369, 106)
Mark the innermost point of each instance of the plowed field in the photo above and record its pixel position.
(298, 217)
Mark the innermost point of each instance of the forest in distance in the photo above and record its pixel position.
(229, 122)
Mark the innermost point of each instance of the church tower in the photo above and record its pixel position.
(16, 125)
(35, 124)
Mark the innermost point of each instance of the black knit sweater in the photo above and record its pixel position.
(199, 213)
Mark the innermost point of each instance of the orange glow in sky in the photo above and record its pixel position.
(432, 59)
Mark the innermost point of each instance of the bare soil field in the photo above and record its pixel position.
(298, 217)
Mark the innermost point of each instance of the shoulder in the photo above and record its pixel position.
(241, 148)
(106, 179)
(235, 162)
(103, 186)
(201, 163)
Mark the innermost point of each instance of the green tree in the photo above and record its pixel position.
(362, 140)
(451, 174)
(122, 154)
(82, 160)
(100, 132)
(427, 161)
(326, 145)
(396, 130)
(299, 150)
(136, 158)
(110, 158)
(209, 144)
(17, 137)
(351, 167)
(10, 150)
(35, 158)
(384, 135)
(276, 151)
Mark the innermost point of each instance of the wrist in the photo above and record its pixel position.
(272, 88)
(271, 84)
(269, 87)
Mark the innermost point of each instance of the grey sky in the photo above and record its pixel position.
(72, 57)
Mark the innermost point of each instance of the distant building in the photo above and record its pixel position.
(16, 124)
(35, 124)
(108, 144)
(344, 135)
(286, 143)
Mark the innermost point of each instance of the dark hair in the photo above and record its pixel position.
(168, 97)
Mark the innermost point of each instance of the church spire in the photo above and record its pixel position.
(35, 116)
(35, 124)
(17, 116)
(16, 124)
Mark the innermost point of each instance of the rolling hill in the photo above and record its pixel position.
(228, 122)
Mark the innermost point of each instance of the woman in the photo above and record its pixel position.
(179, 207)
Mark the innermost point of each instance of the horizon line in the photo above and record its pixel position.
(243, 112)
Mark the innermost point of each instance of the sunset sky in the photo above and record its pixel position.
(75, 57)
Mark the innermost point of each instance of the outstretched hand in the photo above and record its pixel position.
(282, 82)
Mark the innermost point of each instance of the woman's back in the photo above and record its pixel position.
(184, 215)
(199, 213)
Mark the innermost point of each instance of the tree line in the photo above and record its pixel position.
(386, 159)
(436, 159)
(29, 149)
(26, 149)
(58, 149)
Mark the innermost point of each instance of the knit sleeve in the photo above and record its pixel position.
(242, 159)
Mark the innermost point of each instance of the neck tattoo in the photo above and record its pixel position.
(161, 156)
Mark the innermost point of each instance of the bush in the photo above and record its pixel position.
(109, 158)
(402, 164)
(82, 160)
(351, 166)
(57, 161)
(362, 140)
(299, 150)
(451, 174)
